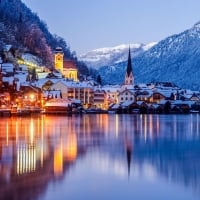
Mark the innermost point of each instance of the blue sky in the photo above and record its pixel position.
(91, 24)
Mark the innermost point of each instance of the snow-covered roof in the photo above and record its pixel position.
(115, 106)
(21, 76)
(127, 87)
(7, 47)
(139, 103)
(7, 67)
(166, 93)
(42, 75)
(42, 81)
(142, 85)
(180, 102)
(155, 106)
(111, 88)
(8, 79)
(128, 91)
(144, 96)
(58, 102)
(23, 67)
(31, 58)
(126, 103)
(73, 84)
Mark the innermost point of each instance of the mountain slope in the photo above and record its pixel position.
(175, 59)
(26, 32)
(112, 55)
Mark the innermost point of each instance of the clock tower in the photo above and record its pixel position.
(58, 59)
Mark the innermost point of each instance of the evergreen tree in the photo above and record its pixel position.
(99, 79)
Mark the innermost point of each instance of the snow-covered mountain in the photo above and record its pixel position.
(175, 59)
(112, 55)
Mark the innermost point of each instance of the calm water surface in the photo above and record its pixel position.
(100, 157)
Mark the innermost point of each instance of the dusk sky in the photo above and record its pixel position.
(91, 24)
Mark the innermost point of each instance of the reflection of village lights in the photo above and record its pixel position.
(197, 124)
(58, 161)
(70, 151)
(116, 125)
(145, 127)
(26, 159)
(191, 125)
(31, 131)
(16, 132)
(141, 125)
(42, 138)
(151, 125)
(157, 124)
(7, 133)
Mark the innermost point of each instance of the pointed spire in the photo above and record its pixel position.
(129, 64)
(128, 145)
(128, 156)
(129, 77)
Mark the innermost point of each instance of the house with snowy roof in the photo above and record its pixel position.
(99, 100)
(126, 95)
(76, 90)
(112, 92)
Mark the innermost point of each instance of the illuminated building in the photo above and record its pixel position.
(59, 59)
(70, 70)
(66, 67)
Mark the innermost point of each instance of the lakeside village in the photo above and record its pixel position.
(60, 92)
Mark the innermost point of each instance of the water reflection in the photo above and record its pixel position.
(37, 151)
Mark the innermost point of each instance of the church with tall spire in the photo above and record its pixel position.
(129, 77)
(127, 88)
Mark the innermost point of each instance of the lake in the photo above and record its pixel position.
(100, 157)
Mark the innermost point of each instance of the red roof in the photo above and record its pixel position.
(69, 64)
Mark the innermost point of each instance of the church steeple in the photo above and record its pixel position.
(129, 78)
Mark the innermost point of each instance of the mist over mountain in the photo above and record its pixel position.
(175, 59)
(26, 32)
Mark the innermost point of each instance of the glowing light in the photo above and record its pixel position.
(117, 126)
(26, 159)
(58, 161)
(7, 133)
(70, 152)
(31, 131)
(32, 97)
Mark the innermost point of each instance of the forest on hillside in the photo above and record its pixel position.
(26, 32)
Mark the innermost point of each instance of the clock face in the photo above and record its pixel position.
(58, 57)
